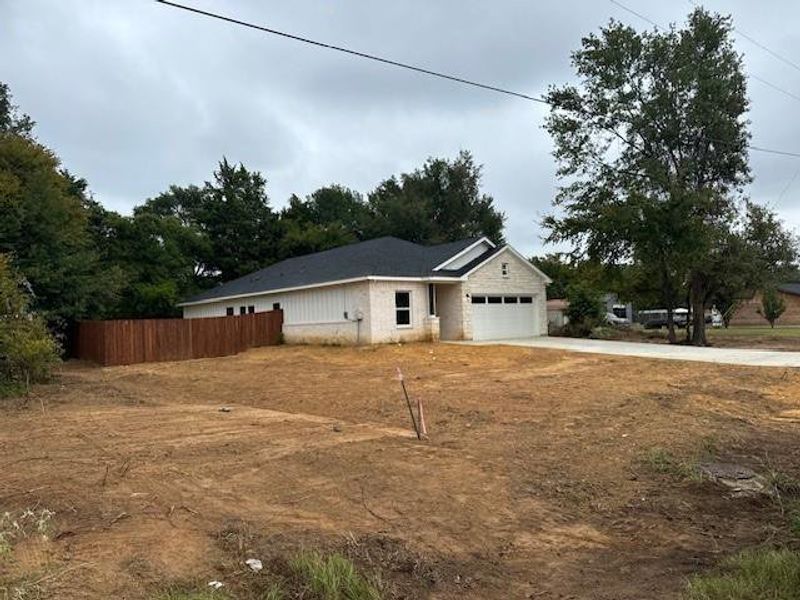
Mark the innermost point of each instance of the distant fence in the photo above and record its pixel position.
(129, 341)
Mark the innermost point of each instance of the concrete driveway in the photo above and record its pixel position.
(726, 356)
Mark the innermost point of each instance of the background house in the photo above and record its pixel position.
(391, 290)
(749, 311)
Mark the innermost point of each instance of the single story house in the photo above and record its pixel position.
(749, 311)
(391, 290)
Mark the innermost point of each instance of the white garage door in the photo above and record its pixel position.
(503, 317)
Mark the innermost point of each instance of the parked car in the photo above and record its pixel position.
(657, 318)
(616, 320)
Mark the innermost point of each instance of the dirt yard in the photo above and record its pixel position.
(535, 482)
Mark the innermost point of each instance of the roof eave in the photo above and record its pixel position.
(461, 253)
(424, 278)
(508, 248)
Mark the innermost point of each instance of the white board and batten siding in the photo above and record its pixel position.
(311, 306)
(326, 314)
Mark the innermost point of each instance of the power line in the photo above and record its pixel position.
(387, 61)
(755, 42)
(770, 151)
(636, 14)
(777, 88)
(408, 66)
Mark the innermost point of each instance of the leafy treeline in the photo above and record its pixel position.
(84, 261)
(652, 148)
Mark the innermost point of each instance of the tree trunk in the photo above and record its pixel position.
(698, 308)
(670, 324)
(666, 290)
(688, 326)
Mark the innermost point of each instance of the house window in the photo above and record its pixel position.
(495, 299)
(402, 309)
(276, 306)
(504, 269)
(525, 300)
(242, 310)
(229, 311)
(432, 299)
(251, 309)
(479, 299)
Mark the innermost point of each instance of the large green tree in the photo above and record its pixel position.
(236, 216)
(229, 228)
(11, 119)
(565, 270)
(44, 227)
(332, 204)
(174, 219)
(331, 216)
(439, 202)
(652, 151)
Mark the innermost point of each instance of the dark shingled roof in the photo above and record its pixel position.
(790, 288)
(386, 256)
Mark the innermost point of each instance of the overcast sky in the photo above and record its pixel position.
(135, 96)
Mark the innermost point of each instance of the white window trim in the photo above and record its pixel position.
(410, 311)
(505, 270)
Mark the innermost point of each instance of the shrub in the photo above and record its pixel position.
(772, 306)
(27, 350)
(585, 310)
(751, 575)
(603, 332)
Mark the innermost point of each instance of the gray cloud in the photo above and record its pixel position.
(135, 96)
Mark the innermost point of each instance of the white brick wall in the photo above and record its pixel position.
(451, 305)
(488, 279)
(383, 326)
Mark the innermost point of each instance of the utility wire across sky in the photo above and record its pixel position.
(402, 65)
(387, 61)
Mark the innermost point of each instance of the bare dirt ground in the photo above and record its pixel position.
(533, 483)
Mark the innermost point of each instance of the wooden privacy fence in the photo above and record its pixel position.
(128, 341)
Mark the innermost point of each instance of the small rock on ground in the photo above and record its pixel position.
(740, 480)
